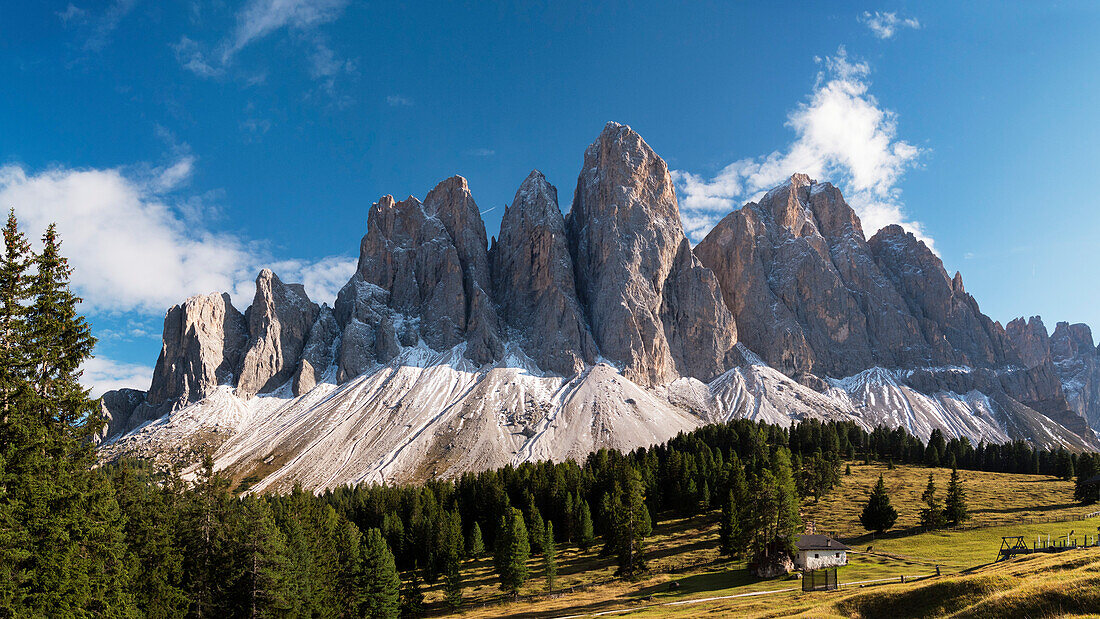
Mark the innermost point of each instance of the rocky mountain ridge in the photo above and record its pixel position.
(602, 328)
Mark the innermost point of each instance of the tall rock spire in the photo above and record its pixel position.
(652, 307)
(533, 280)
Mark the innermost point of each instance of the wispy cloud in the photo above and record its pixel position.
(843, 135)
(481, 152)
(886, 25)
(97, 26)
(259, 19)
(398, 101)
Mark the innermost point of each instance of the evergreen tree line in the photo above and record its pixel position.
(129, 540)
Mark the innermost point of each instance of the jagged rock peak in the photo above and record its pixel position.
(432, 262)
(800, 280)
(279, 321)
(202, 345)
(1071, 340)
(1030, 339)
(533, 283)
(318, 353)
(652, 307)
(952, 323)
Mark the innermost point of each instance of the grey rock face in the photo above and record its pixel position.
(1030, 340)
(431, 259)
(1067, 356)
(279, 321)
(633, 263)
(949, 318)
(318, 352)
(804, 288)
(453, 205)
(368, 329)
(532, 275)
(202, 346)
(117, 407)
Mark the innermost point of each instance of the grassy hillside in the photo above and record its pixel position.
(684, 552)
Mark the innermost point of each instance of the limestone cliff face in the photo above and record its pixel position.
(812, 296)
(953, 327)
(431, 263)
(279, 321)
(633, 266)
(202, 347)
(533, 283)
(318, 353)
(1068, 356)
(804, 287)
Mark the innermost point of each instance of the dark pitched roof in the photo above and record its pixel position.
(819, 542)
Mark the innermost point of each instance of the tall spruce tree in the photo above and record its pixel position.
(878, 515)
(729, 529)
(71, 556)
(1085, 490)
(452, 558)
(630, 523)
(931, 515)
(381, 600)
(586, 532)
(549, 558)
(512, 550)
(351, 582)
(262, 557)
(476, 546)
(955, 509)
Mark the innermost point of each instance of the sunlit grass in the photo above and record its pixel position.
(684, 552)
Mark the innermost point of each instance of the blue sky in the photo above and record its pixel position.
(182, 146)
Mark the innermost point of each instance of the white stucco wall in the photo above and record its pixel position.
(825, 558)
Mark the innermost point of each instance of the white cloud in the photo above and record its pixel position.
(133, 249)
(886, 25)
(481, 152)
(843, 135)
(102, 375)
(398, 101)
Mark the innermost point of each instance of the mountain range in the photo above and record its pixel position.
(446, 353)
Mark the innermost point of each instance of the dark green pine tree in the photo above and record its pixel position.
(207, 542)
(878, 515)
(351, 583)
(451, 551)
(512, 550)
(1085, 490)
(788, 521)
(729, 528)
(630, 522)
(70, 528)
(536, 527)
(549, 558)
(476, 546)
(412, 596)
(262, 556)
(586, 532)
(931, 515)
(383, 585)
(15, 297)
(955, 509)
(15, 278)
